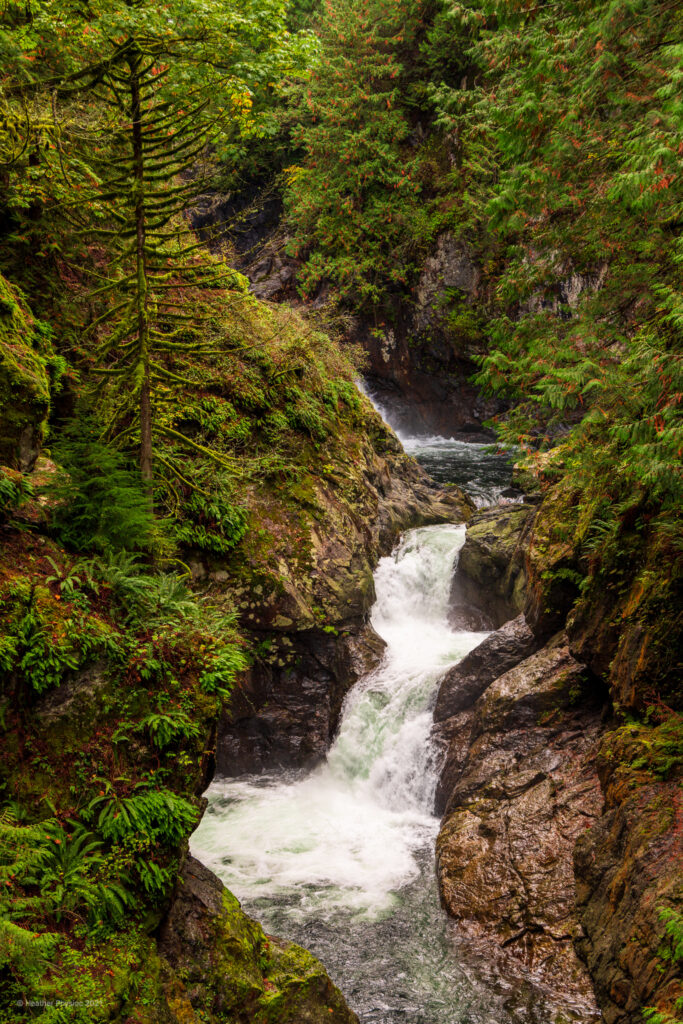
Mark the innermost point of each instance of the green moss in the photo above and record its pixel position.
(24, 383)
(654, 748)
(465, 325)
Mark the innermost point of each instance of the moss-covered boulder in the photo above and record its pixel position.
(628, 624)
(618, 585)
(24, 384)
(220, 966)
(490, 575)
(551, 561)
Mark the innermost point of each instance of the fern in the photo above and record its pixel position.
(220, 675)
(155, 880)
(165, 728)
(22, 858)
(99, 501)
(14, 490)
(673, 929)
(159, 814)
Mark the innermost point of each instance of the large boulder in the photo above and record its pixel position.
(523, 787)
(218, 965)
(490, 576)
(286, 710)
(499, 652)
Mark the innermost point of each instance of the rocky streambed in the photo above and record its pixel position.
(559, 848)
(347, 738)
(340, 857)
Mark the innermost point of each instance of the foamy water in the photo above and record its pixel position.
(483, 470)
(346, 835)
(341, 859)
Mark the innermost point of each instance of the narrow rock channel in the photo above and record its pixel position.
(340, 859)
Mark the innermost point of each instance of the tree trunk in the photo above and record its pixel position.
(142, 281)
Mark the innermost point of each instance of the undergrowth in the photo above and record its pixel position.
(111, 675)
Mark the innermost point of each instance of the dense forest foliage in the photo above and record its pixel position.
(547, 138)
(550, 140)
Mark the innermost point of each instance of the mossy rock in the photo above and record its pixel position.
(24, 384)
(490, 575)
(221, 966)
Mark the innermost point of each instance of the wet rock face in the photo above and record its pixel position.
(629, 866)
(421, 358)
(217, 964)
(466, 681)
(424, 383)
(519, 787)
(490, 578)
(285, 716)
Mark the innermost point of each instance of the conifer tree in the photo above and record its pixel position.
(354, 197)
(165, 87)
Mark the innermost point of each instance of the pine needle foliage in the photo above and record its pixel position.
(359, 197)
(99, 502)
(142, 98)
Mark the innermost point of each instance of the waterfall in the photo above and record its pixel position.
(341, 859)
(346, 835)
(484, 474)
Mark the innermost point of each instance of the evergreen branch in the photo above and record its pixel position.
(221, 460)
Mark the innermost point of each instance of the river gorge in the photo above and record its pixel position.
(341, 571)
(341, 858)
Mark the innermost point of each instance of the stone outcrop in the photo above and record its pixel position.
(551, 561)
(491, 576)
(217, 964)
(521, 788)
(630, 628)
(466, 681)
(286, 711)
(421, 359)
(625, 623)
(629, 869)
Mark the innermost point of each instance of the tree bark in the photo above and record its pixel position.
(146, 470)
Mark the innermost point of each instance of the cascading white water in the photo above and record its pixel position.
(484, 475)
(346, 835)
(341, 860)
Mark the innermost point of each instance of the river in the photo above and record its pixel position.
(482, 469)
(341, 859)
